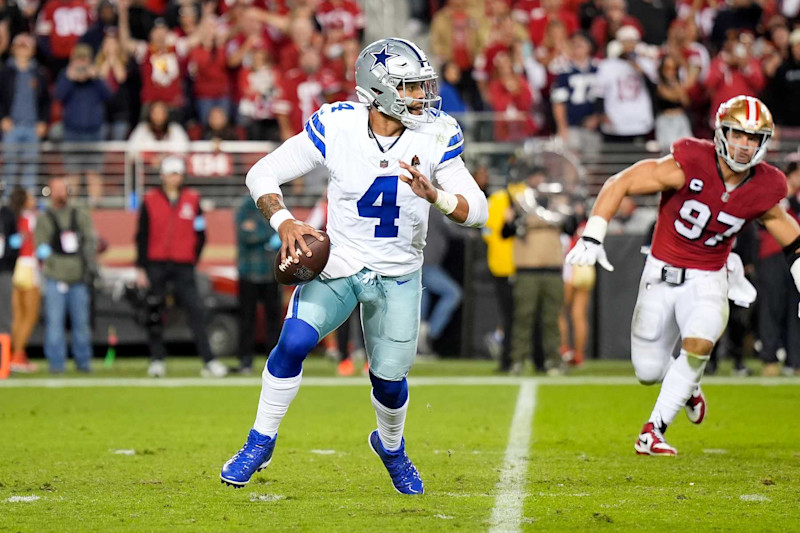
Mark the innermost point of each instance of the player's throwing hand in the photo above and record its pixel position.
(291, 233)
(420, 184)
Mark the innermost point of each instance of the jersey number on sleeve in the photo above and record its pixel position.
(387, 212)
(698, 214)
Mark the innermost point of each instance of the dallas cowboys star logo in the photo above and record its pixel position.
(381, 57)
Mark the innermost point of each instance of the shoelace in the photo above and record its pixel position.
(405, 469)
(249, 450)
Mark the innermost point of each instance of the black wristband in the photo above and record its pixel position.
(792, 251)
(591, 239)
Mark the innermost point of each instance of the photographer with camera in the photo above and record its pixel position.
(83, 96)
(65, 243)
(538, 259)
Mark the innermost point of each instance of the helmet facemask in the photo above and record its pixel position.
(744, 114)
(389, 66)
(728, 151)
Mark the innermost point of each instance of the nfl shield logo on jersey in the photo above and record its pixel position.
(384, 163)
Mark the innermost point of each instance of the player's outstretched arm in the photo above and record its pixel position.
(787, 232)
(645, 177)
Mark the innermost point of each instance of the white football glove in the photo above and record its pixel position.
(588, 251)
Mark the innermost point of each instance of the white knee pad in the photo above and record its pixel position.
(651, 346)
(650, 372)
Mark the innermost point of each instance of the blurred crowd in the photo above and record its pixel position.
(83, 71)
(256, 69)
(615, 69)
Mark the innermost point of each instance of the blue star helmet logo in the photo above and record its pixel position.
(381, 57)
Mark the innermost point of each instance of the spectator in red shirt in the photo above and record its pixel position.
(209, 71)
(605, 26)
(454, 35)
(551, 10)
(248, 36)
(510, 97)
(300, 94)
(59, 26)
(346, 14)
(733, 72)
(301, 36)
(259, 87)
(161, 59)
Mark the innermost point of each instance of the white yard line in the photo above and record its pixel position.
(59, 383)
(507, 512)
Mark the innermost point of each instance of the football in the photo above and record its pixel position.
(308, 268)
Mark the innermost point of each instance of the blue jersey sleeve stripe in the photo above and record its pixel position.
(455, 138)
(318, 124)
(452, 153)
(315, 139)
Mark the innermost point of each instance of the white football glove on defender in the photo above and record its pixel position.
(589, 249)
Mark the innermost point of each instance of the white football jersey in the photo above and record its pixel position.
(374, 219)
(626, 98)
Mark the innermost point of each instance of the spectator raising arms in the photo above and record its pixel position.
(162, 59)
(301, 94)
(734, 72)
(672, 100)
(510, 95)
(259, 86)
(622, 90)
(209, 71)
(115, 68)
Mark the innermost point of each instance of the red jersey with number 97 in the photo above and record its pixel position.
(697, 223)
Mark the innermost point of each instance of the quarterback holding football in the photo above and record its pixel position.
(709, 191)
(390, 157)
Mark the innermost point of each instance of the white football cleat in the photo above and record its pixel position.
(157, 368)
(651, 442)
(696, 406)
(214, 369)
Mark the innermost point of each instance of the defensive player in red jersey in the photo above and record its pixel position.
(709, 191)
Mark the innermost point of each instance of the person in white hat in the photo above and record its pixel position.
(169, 257)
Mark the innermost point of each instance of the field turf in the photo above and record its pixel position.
(109, 454)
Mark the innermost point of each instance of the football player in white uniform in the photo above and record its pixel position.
(384, 156)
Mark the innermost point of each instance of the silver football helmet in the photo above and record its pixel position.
(387, 66)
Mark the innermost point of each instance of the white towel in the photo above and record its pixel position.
(740, 290)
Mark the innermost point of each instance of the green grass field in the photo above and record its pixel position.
(108, 454)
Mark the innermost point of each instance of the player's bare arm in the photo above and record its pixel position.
(290, 231)
(455, 206)
(649, 176)
(787, 232)
(645, 177)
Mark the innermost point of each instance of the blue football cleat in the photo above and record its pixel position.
(254, 456)
(404, 474)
